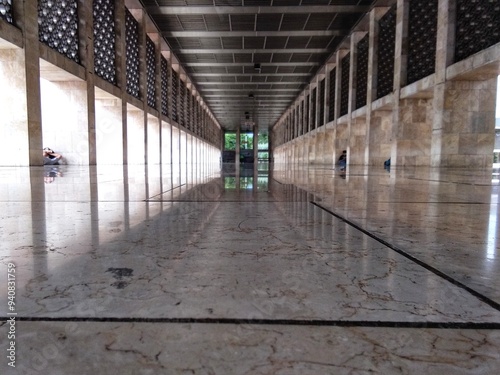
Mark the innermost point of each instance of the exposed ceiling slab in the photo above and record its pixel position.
(253, 57)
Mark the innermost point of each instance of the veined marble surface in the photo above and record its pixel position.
(128, 255)
(75, 348)
(448, 218)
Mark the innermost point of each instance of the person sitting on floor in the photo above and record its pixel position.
(342, 160)
(50, 157)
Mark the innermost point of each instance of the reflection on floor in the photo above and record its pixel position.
(250, 270)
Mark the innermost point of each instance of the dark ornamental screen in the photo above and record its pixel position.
(58, 26)
(175, 94)
(477, 26)
(104, 40)
(188, 109)
(422, 39)
(322, 102)
(344, 85)
(132, 54)
(333, 81)
(289, 127)
(151, 72)
(297, 122)
(385, 54)
(306, 114)
(197, 118)
(362, 72)
(302, 122)
(182, 99)
(313, 109)
(164, 86)
(6, 10)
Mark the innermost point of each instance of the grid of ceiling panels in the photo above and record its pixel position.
(219, 43)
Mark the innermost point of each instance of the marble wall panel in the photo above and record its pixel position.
(329, 150)
(468, 121)
(109, 132)
(14, 130)
(357, 141)
(380, 137)
(153, 140)
(135, 135)
(414, 132)
(312, 149)
(342, 138)
(65, 119)
(320, 147)
(166, 143)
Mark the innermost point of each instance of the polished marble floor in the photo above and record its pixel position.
(250, 270)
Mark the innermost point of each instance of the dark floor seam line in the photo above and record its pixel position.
(282, 322)
(434, 270)
(166, 191)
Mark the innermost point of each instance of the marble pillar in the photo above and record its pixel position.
(463, 132)
(32, 71)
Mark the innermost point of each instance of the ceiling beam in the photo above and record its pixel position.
(256, 96)
(249, 75)
(254, 90)
(225, 64)
(236, 33)
(261, 50)
(301, 9)
(228, 101)
(249, 83)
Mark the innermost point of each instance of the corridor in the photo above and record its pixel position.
(241, 270)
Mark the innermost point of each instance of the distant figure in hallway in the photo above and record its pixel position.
(342, 160)
(50, 157)
(387, 164)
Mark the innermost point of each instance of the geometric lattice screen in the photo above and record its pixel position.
(313, 110)
(132, 54)
(321, 119)
(6, 10)
(174, 95)
(331, 109)
(306, 115)
(295, 114)
(303, 129)
(164, 86)
(386, 49)
(421, 39)
(150, 73)
(344, 85)
(104, 40)
(477, 26)
(58, 26)
(362, 72)
(182, 101)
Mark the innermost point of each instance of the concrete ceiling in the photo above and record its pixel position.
(219, 43)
